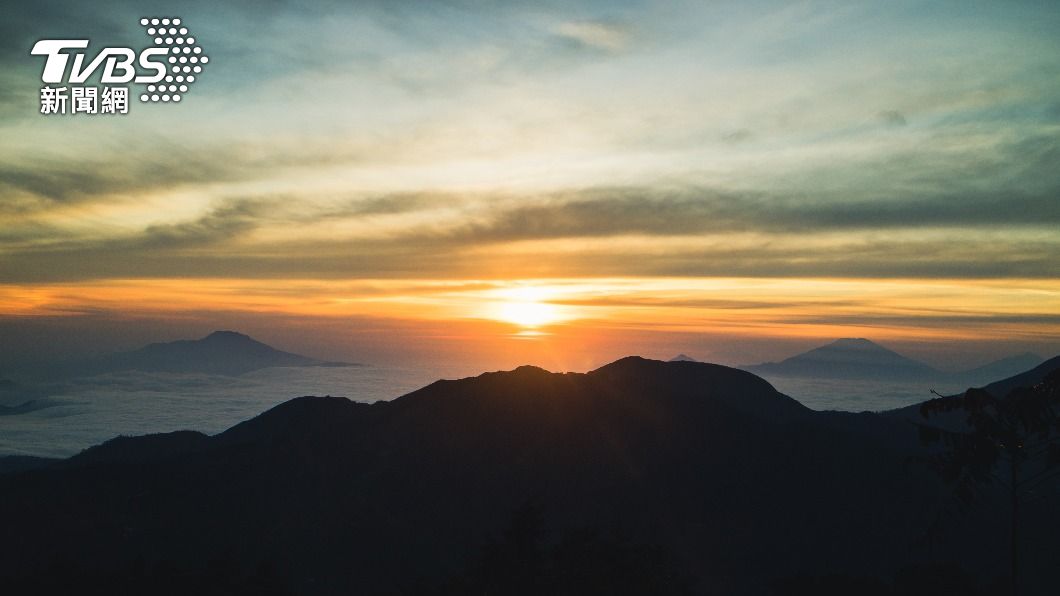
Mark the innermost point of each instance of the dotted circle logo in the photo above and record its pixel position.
(185, 59)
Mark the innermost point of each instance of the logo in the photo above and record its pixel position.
(164, 71)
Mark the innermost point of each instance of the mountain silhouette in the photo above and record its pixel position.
(221, 352)
(848, 358)
(957, 420)
(1025, 379)
(1000, 369)
(724, 477)
(147, 448)
(19, 463)
(683, 358)
(25, 407)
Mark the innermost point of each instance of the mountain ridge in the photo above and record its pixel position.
(848, 358)
(220, 352)
(861, 358)
(1025, 379)
(709, 462)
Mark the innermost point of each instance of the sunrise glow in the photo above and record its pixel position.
(608, 180)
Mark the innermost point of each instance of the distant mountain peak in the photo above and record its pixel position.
(682, 357)
(1002, 368)
(221, 352)
(224, 334)
(848, 357)
(854, 347)
(1024, 379)
(855, 342)
(230, 338)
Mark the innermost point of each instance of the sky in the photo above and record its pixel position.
(561, 183)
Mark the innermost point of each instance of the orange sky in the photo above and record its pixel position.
(567, 182)
(576, 323)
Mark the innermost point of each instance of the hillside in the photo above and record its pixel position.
(727, 480)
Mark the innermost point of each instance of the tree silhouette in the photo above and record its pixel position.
(581, 562)
(1012, 440)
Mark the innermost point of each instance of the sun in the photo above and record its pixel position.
(527, 308)
(528, 314)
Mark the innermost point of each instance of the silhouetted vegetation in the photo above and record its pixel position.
(918, 580)
(1013, 440)
(585, 561)
(215, 577)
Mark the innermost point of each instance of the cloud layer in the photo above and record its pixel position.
(471, 141)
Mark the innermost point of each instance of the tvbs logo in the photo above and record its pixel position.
(166, 70)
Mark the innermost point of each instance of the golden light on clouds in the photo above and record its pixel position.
(824, 308)
(536, 173)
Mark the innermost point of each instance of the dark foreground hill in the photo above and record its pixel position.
(641, 477)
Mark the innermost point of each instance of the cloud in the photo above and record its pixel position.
(450, 138)
(40, 182)
(679, 212)
(891, 118)
(394, 204)
(920, 319)
(934, 254)
(598, 35)
(737, 136)
(222, 224)
(683, 230)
